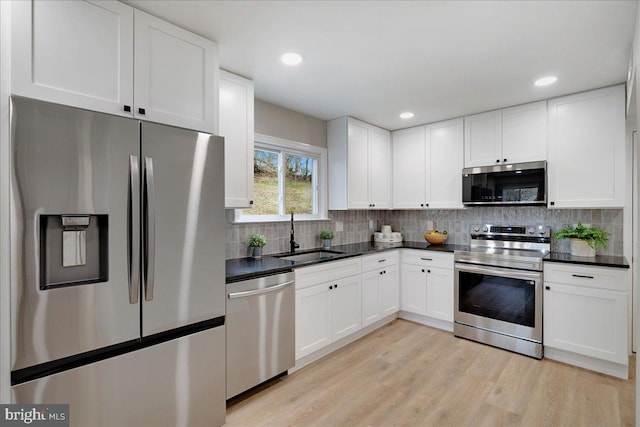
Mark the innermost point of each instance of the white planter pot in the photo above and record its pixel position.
(581, 248)
(326, 243)
(256, 252)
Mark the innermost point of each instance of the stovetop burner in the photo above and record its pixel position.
(510, 246)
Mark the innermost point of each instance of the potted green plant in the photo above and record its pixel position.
(584, 240)
(256, 243)
(326, 236)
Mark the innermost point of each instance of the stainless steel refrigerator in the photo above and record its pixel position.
(117, 268)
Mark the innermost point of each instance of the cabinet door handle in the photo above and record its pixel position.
(548, 288)
(427, 259)
(381, 260)
(552, 203)
(127, 108)
(142, 111)
(582, 276)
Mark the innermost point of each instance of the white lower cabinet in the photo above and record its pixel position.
(426, 285)
(586, 317)
(380, 287)
(328, 305)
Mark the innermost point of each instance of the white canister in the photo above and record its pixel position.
(377, 236)
(386, 229)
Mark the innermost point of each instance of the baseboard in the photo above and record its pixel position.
(428, 321)
(609, 368)
(319, 354)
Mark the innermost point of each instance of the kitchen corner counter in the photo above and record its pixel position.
(598, 260)
(248, 268)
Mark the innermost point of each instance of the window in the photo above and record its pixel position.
(287, 176)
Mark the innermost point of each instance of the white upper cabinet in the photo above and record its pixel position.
(446, 163)
(483, 139)
(359, 165)
(524, 133)
(427, 166)
(74, 52)
(586, 165)
(176, 75)
(106, 56)
(410, 170)
(236, 126)
(512, 135)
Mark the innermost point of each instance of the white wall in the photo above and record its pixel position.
(274, 120)
(5, 75)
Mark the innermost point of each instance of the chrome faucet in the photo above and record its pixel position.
(292, 240)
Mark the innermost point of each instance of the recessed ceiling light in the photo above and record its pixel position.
(407, 115)
(544, 81)
(291, 58)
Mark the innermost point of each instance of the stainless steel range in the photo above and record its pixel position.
(498, 287)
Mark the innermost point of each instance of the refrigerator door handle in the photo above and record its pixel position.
(134, 229)
(150, 228)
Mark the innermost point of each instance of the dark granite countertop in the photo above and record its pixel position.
(598, 260)
(248, 268)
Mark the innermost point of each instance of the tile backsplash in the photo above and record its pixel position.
(413, 223)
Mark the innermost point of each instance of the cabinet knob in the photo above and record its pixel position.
(381, 273)
(127, 108)
(548, 288)
(422, 205)
(505, 160)
(552, 203)
(423, 270)
(428, 271)
(497, 160)
(331, 287)
(142, 111)
(335, 286)
(427, 204)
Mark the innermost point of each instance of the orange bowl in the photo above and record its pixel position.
(435, 238)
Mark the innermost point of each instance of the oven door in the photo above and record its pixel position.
(499, 299)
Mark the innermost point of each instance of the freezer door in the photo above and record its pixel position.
(176, 383)
(183, 227)
(71, 182)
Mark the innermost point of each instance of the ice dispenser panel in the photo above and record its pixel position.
(73, 250)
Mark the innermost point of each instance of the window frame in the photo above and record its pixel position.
(283, 147)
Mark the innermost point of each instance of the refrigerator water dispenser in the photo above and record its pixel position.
(73, 250)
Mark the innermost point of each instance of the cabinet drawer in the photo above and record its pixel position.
(614, 279)
(428, 258)
(376, 261)
(327, 272)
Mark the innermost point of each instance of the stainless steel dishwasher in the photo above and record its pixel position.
(260, 330)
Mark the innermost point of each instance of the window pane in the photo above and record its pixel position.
(265, 184)
(298, 184)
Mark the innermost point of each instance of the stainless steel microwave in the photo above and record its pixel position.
(509, 184)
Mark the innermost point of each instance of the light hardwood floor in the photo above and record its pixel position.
(405, 374)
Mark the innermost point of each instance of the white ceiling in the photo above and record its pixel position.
(440, 59)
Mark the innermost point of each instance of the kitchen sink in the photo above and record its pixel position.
(309, 255)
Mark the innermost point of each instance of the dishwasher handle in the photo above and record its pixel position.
(260, 291)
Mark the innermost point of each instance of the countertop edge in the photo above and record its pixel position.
(598, 261)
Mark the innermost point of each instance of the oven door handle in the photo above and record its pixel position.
(497, 271)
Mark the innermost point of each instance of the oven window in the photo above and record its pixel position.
(501, 298)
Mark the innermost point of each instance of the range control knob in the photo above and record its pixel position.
(530, 230)
(542, 232)
(476, 228)
(485, 229)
